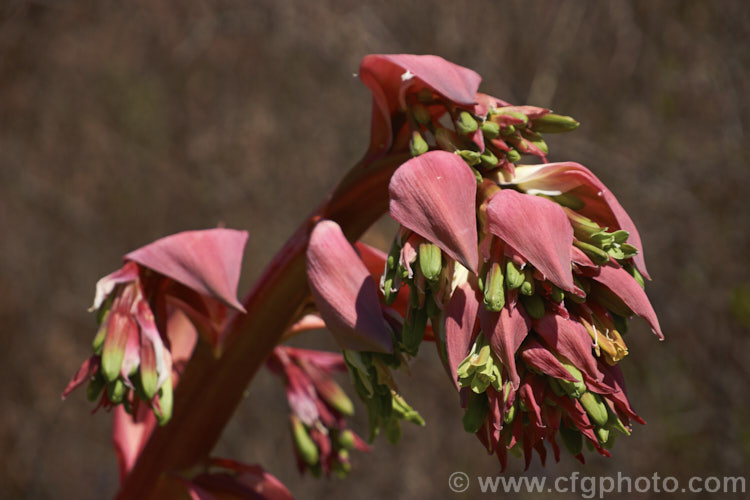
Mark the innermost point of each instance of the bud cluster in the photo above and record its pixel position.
(490, 135)
(547, 263)
(131, 363)
(319, 409)
(375, 386)
(420, 265)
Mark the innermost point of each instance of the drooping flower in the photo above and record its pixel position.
(344, 291)
(319, 409)
(374, 337)
(527, 273)
(194, 271)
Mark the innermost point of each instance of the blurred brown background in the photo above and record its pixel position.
(123, 122)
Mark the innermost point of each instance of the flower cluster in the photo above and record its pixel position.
(523, 273)
(527, 273)
(319, 409)
(195, 272)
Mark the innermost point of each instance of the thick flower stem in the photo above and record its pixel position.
(211, 388)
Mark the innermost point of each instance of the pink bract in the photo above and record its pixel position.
(344, 291)
(434, 195)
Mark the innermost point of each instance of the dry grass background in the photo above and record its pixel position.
(122, 122)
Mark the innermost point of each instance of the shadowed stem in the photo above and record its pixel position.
(211, 388)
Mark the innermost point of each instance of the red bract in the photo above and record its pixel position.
(460, 319)
(575, 179)
(434, 195)
(505, 331)
(208, 262)
(622, 284)
(388, 76)
(536, 228)
(570, 339)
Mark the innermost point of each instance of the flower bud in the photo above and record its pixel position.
(637, 276)
(393, 430)
(417, 144)
(342, 466)
(513, 156)
(98, 343)
(569, 200)
(490, 130)
(572, 389)
(334, 395)
(515, 117)
(402, 409)
(514, 278)
(466, 124)
(552, 123)
(610, 442)
(598, 255)
(527, 287)
(556, 294)
(346, 439)
(430, 261)
(489, 160)
(602, 434)
(508, 131)
(113, 350)
(414, 327)
(306, 447)
(116, 391)
(554, 384)
(473, 158)
(390, 282)
(166, 402)
(494, 291)
(595, 407)
(541, 145)
(510, 415)
(534, 305)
